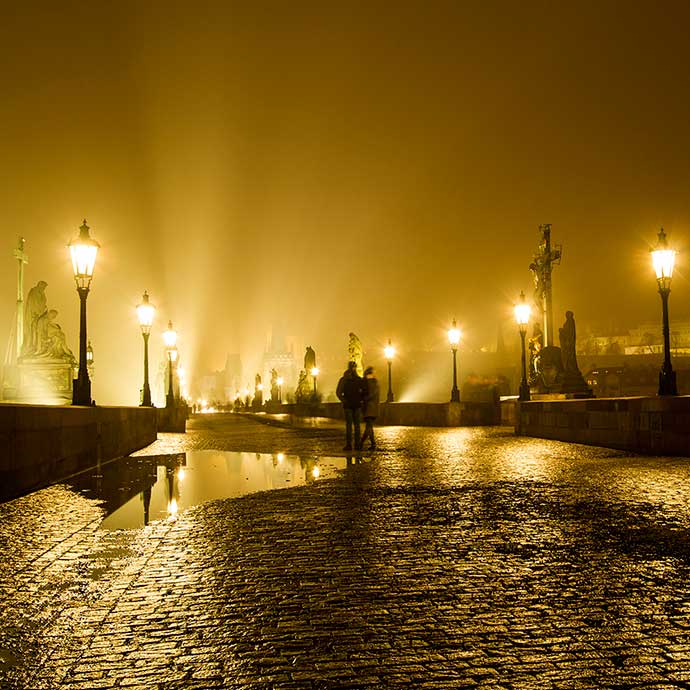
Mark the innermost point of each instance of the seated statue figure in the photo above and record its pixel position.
(51, 340)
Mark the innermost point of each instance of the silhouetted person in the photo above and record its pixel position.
(370, 406)
(350, 392)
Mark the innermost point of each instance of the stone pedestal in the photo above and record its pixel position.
(45, 381)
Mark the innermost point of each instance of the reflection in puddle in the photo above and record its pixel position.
(137, 490)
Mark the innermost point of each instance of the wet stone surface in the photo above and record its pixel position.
(461, 558)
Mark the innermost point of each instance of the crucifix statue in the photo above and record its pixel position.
(545, 258)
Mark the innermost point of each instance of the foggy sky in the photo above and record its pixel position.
(373, 167)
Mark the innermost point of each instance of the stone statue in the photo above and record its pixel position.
(355, 353)
(52, 343)
(536, 343)
(566, 336)
(303, 390)
(309, 360)
(573, 381)
(275, 388)
(34, 308)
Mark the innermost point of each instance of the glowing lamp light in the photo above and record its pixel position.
(170, 336)
(89, 354)
(279, 380)
(145, 312)
(260, 386)
(663, 260)
(522, 312)
(315, 472)
(389, 351)
(280, 457)
(181, 474)
(454, 334)
(83, 251)
(172, 507)
(314, 371)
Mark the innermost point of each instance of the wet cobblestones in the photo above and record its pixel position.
(462, 558)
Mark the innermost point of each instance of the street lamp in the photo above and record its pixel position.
(454, 339)
(389, 351)
(83, 250)
(663, 260)
(145, 312)
(314, 372)
(522, 314)
(279, 381)
(170, 339)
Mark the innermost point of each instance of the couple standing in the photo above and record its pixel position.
(360, 398)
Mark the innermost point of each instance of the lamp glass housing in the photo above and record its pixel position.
(389, 351)
(83, 250)
(145, 313)
(454, 334)
(314, 371)
(663, 260)
(170, 336)
(523, 311)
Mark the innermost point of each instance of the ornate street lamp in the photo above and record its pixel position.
(663, 260)
(83, 250)
(389, 351)
(314, 372)
(279, 381)
(170, 340)
(522, 314)
(454, 339)
(145, 312)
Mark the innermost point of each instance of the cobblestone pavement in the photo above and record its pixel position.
(453, 558)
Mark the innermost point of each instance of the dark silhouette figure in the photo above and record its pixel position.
(350, 392)
(370, 406)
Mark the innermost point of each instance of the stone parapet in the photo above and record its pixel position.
(652, 425)
(45, 443)
(402, 414)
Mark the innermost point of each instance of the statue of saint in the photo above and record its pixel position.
(303, 390)
(34, 308)
(309, 360)
(355, 353)
(567, 339)
(275, 389)
(51, 340)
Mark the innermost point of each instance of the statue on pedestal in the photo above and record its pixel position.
(573, 381)
(355, 353)
(46, 364)
(275, 388)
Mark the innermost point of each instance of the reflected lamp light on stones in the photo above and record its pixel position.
(170, 340)
(83, 250)
(454, 339)
(389, 352)
(663, 261)
(523, 311)
(145, 314)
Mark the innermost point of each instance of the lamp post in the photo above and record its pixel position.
(663, 260)
(314, 372)
(454, 339)
(170, 339)
(279, 381)
(522, 314)
(145, 312)
(389, 351)
(83, 250)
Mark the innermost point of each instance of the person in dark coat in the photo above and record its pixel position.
(350, 392)
(370, 406)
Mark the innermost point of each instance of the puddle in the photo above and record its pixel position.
(138, 490)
